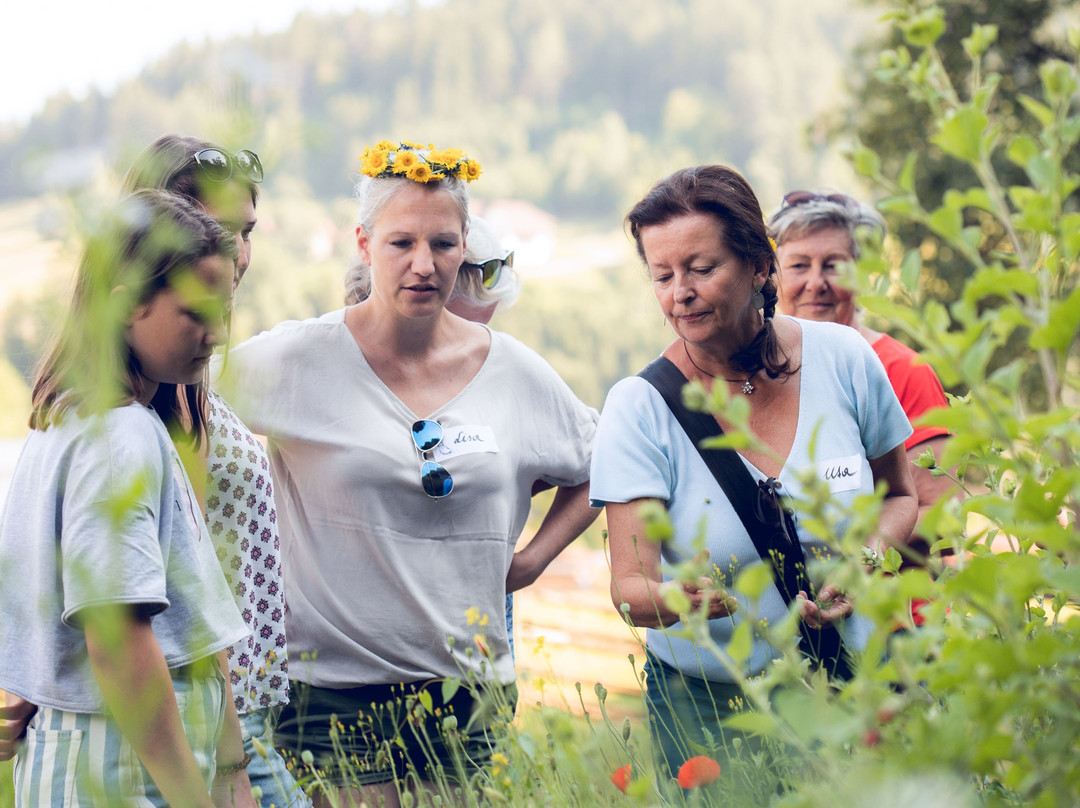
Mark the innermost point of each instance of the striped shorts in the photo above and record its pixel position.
(82, 759)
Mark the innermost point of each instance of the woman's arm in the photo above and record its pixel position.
(566, 519)
(636, 575)
(130, 669)
(232, 787)
(895, 523)
(901, 506)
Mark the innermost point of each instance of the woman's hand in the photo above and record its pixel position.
(15, 713)
(831, 605)
(704, 595)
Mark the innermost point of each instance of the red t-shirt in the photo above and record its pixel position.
(915, 384)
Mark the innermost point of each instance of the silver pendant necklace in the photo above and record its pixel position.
(747, 388)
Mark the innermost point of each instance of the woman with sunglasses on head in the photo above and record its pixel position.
(234, 474)
(816, 233)
(819, 402)
(407, 442)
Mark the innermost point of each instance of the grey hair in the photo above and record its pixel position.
(375, 193)
(470, 285)
(794, 221)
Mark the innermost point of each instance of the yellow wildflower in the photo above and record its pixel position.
(500, 762)
(385, 145)
(409, 144)
(421, 172)
(472, 614)
(448, 157)
(404, 160)
(472, 170)
(374, 163)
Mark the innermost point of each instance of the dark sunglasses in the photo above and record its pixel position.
(218, 166)
(490, 271)
(796, 198)
(436, 480)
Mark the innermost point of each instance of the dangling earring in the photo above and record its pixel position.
(759, 299)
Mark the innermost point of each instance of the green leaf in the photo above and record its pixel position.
(449, 688)
(425, 699)
(961, 135)
(1022, 149)
(892, 561)
(741, 643)
(911, 270)
(1064, 321)
(754, 580)
(906, 180)
(1042, 113)
(752, 722)
(867, 162)
(924, 29)
(947, 222)
(1058, 80)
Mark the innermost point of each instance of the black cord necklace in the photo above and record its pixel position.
(747, 388)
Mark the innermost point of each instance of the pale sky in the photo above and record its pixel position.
(51, 45)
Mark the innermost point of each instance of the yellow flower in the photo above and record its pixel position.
(411, 145)
(374, 163)
(421, 172)
(385, 145)
(472, 170)
(404, 160)
(448, 157)
(472, 614)
(500, 762)
(772, 243)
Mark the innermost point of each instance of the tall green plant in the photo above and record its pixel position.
(982, 702)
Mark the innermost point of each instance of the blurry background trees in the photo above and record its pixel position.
(574, 109)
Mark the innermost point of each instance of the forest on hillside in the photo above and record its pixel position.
(574, 108)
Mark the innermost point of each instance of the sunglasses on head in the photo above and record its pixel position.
(219, 166)
(436, 480)
(491, 271)
(796, 198)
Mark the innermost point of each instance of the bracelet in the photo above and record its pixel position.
(235, 767)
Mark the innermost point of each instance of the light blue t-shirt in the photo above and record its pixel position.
(848, 412)
(100, 511)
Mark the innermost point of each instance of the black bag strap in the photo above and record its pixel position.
(771, 527)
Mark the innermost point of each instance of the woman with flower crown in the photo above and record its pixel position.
(406, 442)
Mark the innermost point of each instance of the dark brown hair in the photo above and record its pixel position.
(150, 238)
(722, 193)
(166, 164)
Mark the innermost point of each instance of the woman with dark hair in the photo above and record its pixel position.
(235, 473)
(816, 233)
(819, 402)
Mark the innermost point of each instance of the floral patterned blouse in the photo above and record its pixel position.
(243, 524)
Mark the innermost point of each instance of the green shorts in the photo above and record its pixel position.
(376, 733)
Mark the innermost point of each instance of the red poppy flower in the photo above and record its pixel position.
(621, 777)
(698, 771)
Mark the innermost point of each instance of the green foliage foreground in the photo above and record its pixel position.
(981, 704)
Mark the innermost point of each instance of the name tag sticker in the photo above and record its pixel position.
(842, 473)
(466, 439)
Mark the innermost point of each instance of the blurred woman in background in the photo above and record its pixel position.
(816, 233)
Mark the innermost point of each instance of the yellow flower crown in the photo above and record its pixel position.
(417, 162)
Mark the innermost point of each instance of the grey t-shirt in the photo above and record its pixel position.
(378, 574)
(100, 511)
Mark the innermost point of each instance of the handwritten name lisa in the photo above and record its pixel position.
(839, 472)
(465, 437)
